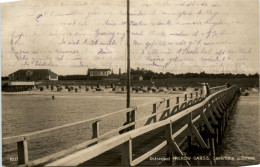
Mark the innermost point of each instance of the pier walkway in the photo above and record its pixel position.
(193, 126)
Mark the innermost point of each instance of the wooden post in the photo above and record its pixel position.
(133, 118)
(95, 130)
(191, 95)
(128, 117)
(189, 122)
(197, 94)
(185, 97)
(168, 136)
(154, 111)
(217, 135)
(167, 106)
(220, 131)
(22, 148)
(126, 149)
(213, 150)
(177, 100)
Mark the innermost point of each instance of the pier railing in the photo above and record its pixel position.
(212, 107)
(146, 124)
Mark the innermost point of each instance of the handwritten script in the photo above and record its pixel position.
(166, 35)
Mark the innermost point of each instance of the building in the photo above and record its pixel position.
(18, 86)
(33, 75)
(99, 72)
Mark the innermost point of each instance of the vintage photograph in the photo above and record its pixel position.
(130, 83)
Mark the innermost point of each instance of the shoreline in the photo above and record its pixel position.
(96, 93)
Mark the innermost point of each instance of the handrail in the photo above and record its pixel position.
(36, 134)
(91, 152)
(214, 89)
(33, 135)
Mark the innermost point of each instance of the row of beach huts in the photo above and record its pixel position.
(92, 88)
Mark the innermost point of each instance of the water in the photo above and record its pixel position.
(241, 141)
(28, 113)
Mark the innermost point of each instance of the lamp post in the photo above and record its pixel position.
(128, 57)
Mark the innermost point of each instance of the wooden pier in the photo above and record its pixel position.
(168, 136)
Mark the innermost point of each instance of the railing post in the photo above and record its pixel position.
(126, 149)
(167, 106)
(189, 122)
(197, 94)
(191, 94)
(168, 136)
(185, 97)
(128, 117)
(133, 117)
(154, 111)
(177, 100)
(22, 148)
(95, 130)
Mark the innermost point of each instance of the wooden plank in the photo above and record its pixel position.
(91, 152)
(148, 154)
(176, 107)
(168, 136)
(14, 139)
(153, 116)
(183, 106)
(180, 131)
(185, 97)
(212, 106)
(198, 136)
(154, 111)
(207, 123)
(195, 119)
(95, 129)
(167, 106)
(177, 100)
(189, 135)
(212, 116)
(133, 118)
(178, 150)
(61, 153)
(197, 93)
(116, 130)
(126, 149)
(22, 148)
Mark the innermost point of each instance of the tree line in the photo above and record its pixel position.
(149, 75)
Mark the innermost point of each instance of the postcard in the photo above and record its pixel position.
(130, 82)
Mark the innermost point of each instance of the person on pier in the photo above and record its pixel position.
(208, 90)
(203, 90)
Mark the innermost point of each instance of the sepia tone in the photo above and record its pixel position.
(167, 83)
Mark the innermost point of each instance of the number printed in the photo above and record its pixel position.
(12, 159)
